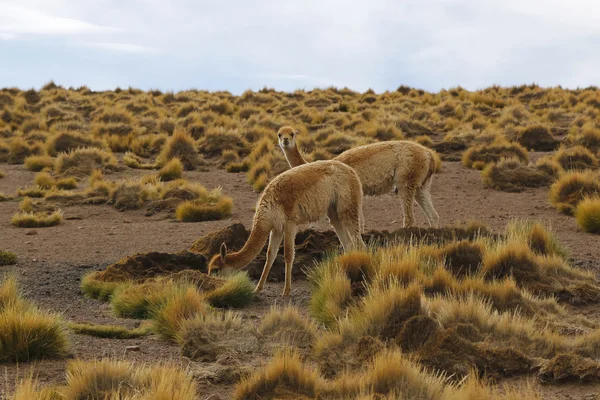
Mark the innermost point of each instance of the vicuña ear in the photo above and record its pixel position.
(223, 252)
(295, 132)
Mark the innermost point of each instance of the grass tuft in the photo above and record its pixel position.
(236, 292)
(37, 220)
(198, 211)
(587, 214)
(7, 258)
(172, 170)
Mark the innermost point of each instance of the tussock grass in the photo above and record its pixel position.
(200, 335)
(285, 372)
(64, 142)
(38, 163)
(576, 158)
(571, 188)
(131, 160)
(478, 156)
(37, 220)
(537, 138)
(182, 146)
(96, 289)
(236, 292)
(198, 211)
(587, 214)
(172, 170)
(7, 258)
(84, 161)
(288, 326)
(26, 332)
(121, 379)
(108, 331)
(512, 175)
(131, 195)
(35, 192)
(182, 303)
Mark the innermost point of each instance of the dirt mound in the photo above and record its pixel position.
(143, 266)
(570, 367)
(312, 245)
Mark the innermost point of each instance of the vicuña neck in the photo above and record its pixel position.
(253, 246)
(293, 156)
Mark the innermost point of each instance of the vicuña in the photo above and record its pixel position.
(298, 196)
(383, 166)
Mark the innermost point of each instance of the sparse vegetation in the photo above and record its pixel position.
(26, 332)
(7, 258)
(571, 188)
(587, 214)
(109, 331)
(37, 220)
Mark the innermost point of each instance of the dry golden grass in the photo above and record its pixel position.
(37, 220)
(64, 142)
(571, 188)
(38, 163)
(512, 175)
(172, 170)
(478, 156)
(107, 379)
(183, 303)
(288, 326)
(576, 158)
(197, 210)
(84, 161)
(587, 214)
(182, 146)
(26, 332)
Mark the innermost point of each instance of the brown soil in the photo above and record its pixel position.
(53, 260)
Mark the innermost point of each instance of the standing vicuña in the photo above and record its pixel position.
(298, 196)
(408, 166)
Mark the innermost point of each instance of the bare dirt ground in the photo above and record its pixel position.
(53, 260)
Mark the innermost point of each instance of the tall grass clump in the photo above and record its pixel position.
(236, 292)
(200, 210)
(571, 188)
(182, 146)
(587, 214)
(37, 220)
(26, 332)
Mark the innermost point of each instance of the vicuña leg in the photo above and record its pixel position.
(289, 248)
(407, 194)
(274, 243)
(423, 197)
(338, 227)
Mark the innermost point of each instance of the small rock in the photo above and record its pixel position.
(31, 233)
(132, 348)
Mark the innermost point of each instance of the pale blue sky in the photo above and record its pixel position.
(237, 45)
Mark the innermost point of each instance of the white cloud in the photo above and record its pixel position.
(122, 47)
(17, 19)
(379, 44)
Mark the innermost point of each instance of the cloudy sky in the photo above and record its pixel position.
(248, 44)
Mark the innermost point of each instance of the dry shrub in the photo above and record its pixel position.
(38, 163)
(537, 138)
(589, 137)
(181, 304)
(571, 188)
(131, 195)
(215, 141)
(576, 158)
(198, 210)
(285, 374)
(26, 332)
(84, 161)
(20, 150)
(358, 266)
(181, 145)
(512, 175)
(107, 379)
(37, 220)
(148, 145)
(64, 142)
(288, 326)
(587, 214)
(200, 335)
(482, 155)
(172, 170)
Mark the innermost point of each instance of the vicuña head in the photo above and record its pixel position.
(219, 261)
(297, 196)
(287, 141)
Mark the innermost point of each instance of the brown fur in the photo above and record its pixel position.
(298, 196)
(404, 166)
